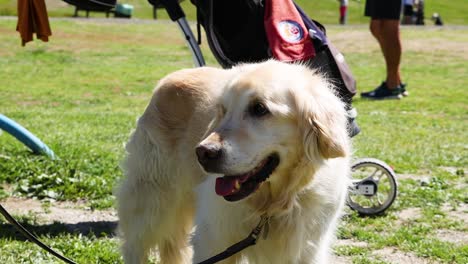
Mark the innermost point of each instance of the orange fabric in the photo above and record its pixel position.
(32, 18)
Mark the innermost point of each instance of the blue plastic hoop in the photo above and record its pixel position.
(26, 137)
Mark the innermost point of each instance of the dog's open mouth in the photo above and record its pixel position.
(237, 187)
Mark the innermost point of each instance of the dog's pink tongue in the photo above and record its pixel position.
(225, 186)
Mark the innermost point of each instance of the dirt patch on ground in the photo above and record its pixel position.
(61, 217)
(62, 212)
(452, 170)
(362, 41)
(458, 212)
(55, 4)
(432, 46)
(350, 242)
(393, 255)
(409, 214)
(388, 254)
(407, 176)
(355, 41)
(341, 260)
(452, 236)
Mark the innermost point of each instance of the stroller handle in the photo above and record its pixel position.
(172, 7)
(176, 14)
(197, 54)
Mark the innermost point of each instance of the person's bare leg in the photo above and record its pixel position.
(391, 48)
(387, 33)
(375, 29)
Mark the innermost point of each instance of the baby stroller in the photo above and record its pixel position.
(236, 32)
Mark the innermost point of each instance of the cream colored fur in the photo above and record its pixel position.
(166, 192)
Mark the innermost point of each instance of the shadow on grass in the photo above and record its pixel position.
(96, 229)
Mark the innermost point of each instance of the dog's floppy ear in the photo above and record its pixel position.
(322, 120)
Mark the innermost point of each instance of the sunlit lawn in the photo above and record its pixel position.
(82, 92)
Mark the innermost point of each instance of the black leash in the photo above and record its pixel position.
(31, 237)
(243, 244)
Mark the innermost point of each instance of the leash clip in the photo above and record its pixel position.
(264, 222)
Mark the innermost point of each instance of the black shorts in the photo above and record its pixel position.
(383, 9)
(408, 10)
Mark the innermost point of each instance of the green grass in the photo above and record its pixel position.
(325, 11)
(82, 92)
(81, 249)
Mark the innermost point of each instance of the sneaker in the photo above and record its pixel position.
(383, 92)
(403, 89)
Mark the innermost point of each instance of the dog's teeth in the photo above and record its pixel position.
(237, 186)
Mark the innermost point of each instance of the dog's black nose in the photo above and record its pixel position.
(209, 156)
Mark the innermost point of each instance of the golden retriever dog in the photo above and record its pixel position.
(216, 149)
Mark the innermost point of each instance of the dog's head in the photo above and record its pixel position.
(274, 120)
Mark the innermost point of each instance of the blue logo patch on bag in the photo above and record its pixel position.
(290, 31)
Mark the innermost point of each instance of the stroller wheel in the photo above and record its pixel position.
(374, 186)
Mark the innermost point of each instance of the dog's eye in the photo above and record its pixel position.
(258, 109)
